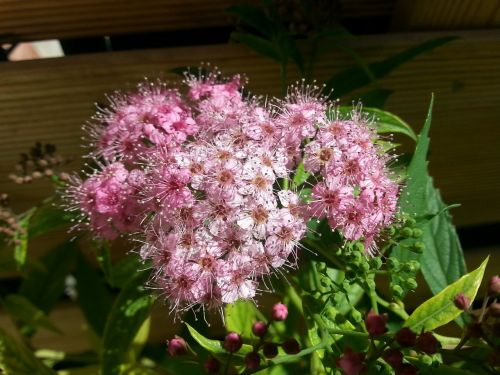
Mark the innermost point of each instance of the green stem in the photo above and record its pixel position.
(285, 183)
(373, 298)
(396, 309)
(226, 368)
(343, 332)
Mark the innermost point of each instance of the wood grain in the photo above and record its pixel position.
(48, 101)
(446, 14)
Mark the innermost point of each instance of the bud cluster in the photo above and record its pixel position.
(9, 222)
(41, 161)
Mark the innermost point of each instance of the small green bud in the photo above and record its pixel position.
(392, 263)
(411, 283)
(417, 232)
(426, 360)
(325, 281)
(415, 265)
(407, 232)
(331, 313)
(364, 266)
(359, 246)
(418, 247)
(370, 284)
(376, 262)
(410, 221)
(397, 290)
(392, 231)
(321, 267)
(408, 267)
(356, 316)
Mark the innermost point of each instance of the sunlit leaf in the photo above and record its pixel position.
(441, 309)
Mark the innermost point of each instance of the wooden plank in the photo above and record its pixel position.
(446, 14)
(47, 19)
(48, 101)
(29, 20)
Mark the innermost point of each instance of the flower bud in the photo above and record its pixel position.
(494, 285)
(177, 346)
(397, 290)
(233, 342)
(405, 337)
(427, 343)
(280, 312)
(252, 361)
(351, 363)
(259, 329)
(407, 369)
(393, 357)
(375, 324)
(494, 310)
(212, 365)
(291, 346)
(461, 301)
(270, 350)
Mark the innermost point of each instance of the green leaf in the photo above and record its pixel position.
(254, 17)
(48, 218)
(354, 78)
(260, 45)
(440, 309)
(21, 239)
(94, 297)
(104, 259)
(44, 286)
(385, 122)
(130, 310)
(442, 261)
(240, 316)
(300, 176)
(121, 271)
(17, 359)
(214, 346)
(21, 309)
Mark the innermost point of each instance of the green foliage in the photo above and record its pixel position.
(17, 359)
(44, 286)
(440, 309)
(129, 312)
(240, 316)
(354, 78)
(94, 297)
(442, 261)
(22, 310)
(47, 218)
(214, 346)
(21, 239)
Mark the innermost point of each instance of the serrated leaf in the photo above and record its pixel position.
(214, 346)
(21, 309)
(440, 309)
(17, 359)
(240, 316)
(43, 287)
(385, 122)
(94, 297)
(353, 78)
(260, 45)
(130, 310)
(442, 261)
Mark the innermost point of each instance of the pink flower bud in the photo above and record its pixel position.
(405, 337)
(270, 350)
(212, 365)
(427, 343)
(407, 369)
(461, 301)
(177, 346)
(252, 361)
(280, 312)
(291, 346)
(494, 310)
(375, 324)
(351, 363)
(233, 342)
(259, 329)
(494, 285)
(393, 357)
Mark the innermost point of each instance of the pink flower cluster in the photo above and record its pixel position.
(204, 178)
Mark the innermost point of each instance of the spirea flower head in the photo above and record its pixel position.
(201, 174)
